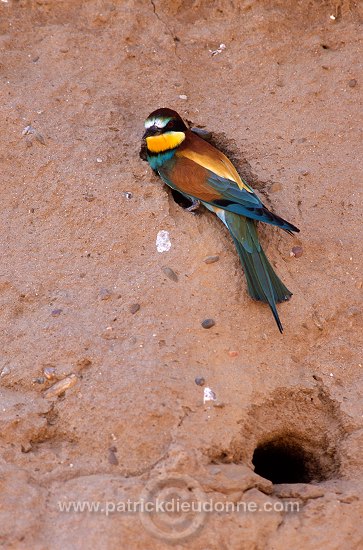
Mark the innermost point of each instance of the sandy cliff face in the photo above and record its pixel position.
(80, 214)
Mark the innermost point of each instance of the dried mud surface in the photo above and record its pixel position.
(80, 213)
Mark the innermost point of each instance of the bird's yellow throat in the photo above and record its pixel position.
(164, 142)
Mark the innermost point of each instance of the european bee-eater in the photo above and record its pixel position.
(202, 173)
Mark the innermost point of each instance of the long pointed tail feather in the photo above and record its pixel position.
(263, 283)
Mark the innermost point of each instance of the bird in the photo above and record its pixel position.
(192, 166)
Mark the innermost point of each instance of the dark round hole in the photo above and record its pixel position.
(283, 460)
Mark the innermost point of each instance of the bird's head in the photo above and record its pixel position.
(164, 130)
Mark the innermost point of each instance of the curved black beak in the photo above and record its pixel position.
(152, 131)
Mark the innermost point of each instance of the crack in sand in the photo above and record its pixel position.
(167, 28)
(185, 414)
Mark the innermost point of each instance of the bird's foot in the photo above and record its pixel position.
(194, 206)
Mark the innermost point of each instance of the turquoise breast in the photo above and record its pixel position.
(158, 160)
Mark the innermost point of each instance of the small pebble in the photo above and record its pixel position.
(5, 371)
(98, 159)
(127, 195)
(36, 58)
(233, 353)
(134, 308)
(112, 458)
(170, 274)
(60, 387)
(209, 395)
(199, 380)
(208, 323)
(104, 294)
(297, 251)
(218, 50)
(304, 172)
(49, 373)
(163, 243)
(26, 447)
(352, 83)
(39, 380)
(182, 96)
(211, 259)
(56, 312)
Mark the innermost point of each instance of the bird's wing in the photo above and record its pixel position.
(244, 203)
(195, 180)
(203, 153)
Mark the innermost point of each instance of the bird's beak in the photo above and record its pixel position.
(150, 132)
